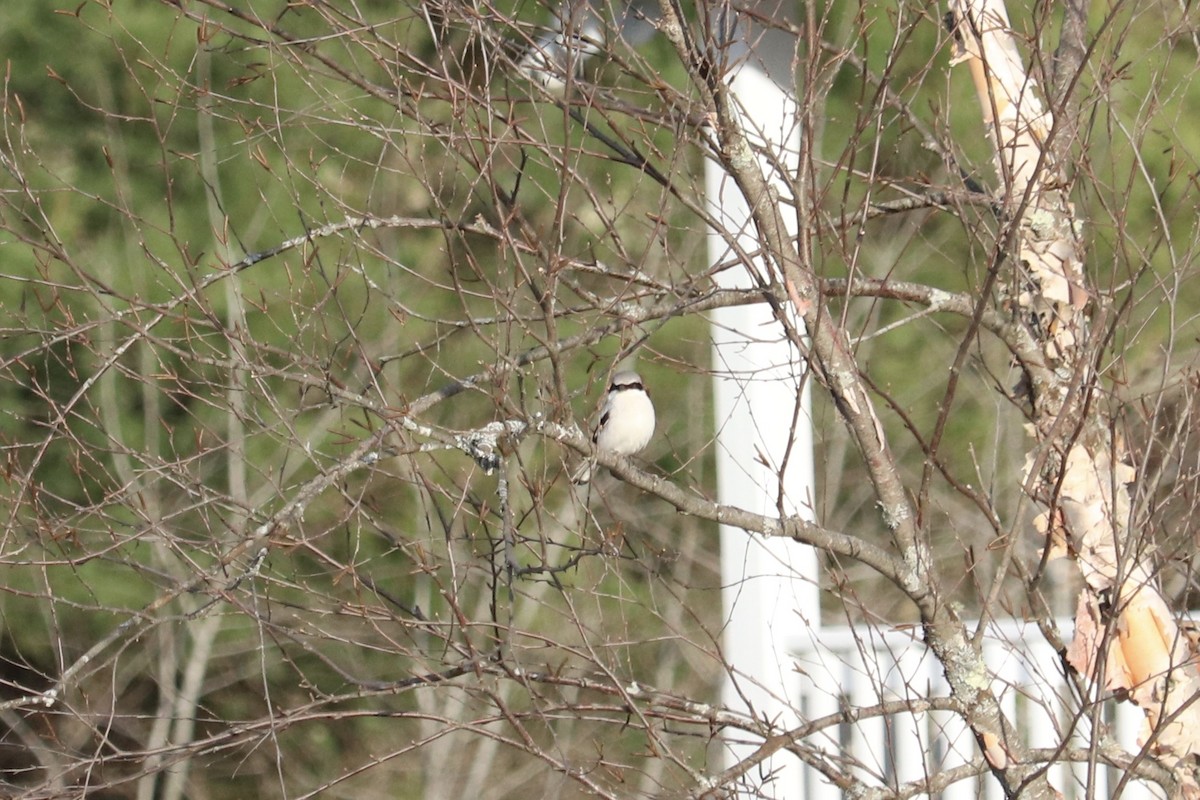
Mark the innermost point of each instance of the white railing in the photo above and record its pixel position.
(859, 668)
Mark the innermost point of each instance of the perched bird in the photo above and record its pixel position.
(559, 55)
(626, 421)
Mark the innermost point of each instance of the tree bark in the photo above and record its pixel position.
(1126, 638)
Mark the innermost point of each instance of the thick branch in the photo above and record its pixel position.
(834, 365)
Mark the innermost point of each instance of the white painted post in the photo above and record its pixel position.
(771, 596)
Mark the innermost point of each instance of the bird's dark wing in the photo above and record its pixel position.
(600, 426)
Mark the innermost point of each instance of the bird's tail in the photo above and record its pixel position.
(584, 472)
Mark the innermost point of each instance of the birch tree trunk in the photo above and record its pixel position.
(1126, 639)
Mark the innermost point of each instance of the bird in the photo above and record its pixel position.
(626, 421)
(559, 55)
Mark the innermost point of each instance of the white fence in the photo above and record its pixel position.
(859, 668)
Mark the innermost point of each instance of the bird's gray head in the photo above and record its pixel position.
(623, 381)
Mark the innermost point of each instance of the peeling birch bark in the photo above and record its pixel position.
(1126, 635)
(1020, 126)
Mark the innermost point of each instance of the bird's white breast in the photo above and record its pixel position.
(630, 422)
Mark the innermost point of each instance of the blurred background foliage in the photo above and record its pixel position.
(156, 408)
